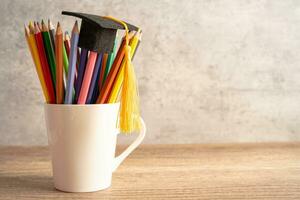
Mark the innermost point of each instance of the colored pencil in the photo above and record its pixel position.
(78, 60)
(65, 59)
(66, 69)
(95, 76)
(34, 53)
(110, 60)
(102, 71)
(49, 51)
(66, 65)
(120, 77)
(107, 86)
(52, 33)
(67, 52)
(72, 64)
(46, 71)
(136, 48)
(59, 65)
(38, 24)
(96, 89)
(80, 73)
(87, 77)
(67, 43)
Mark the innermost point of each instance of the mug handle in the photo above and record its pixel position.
(119, 159)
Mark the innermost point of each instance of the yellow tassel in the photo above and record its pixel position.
(129, 106)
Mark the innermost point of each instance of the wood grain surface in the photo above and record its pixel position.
(223, 171)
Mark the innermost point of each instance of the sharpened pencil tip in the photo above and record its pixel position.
(36, 27)
(31, 27)
(39, 26)
(50, 25)
(26, 30)
(75, 28)
(67, 37)
(58, 26)
(58, 29)
(44, 27)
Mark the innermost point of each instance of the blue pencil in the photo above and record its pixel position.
(96, 90)
(80, 73)
(93, 83)
(72, 64)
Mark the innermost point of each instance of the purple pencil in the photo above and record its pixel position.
(93, 83)
(80, 73)
(72, 64)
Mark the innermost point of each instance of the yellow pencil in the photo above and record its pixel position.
(119, 79)
(36, 59)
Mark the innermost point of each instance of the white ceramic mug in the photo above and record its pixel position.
(82, 140)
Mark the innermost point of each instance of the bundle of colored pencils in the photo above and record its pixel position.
(72, 75)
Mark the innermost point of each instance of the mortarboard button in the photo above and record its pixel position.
(97, 33)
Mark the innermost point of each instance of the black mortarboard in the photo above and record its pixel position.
(97, 33)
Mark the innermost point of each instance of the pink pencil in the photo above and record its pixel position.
(87, 78)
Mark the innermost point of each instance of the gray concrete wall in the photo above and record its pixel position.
(209, 71)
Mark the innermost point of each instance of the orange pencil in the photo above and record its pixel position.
(59, 65)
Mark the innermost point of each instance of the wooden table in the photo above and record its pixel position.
(222, 171)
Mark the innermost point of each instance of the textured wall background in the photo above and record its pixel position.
(209, 71)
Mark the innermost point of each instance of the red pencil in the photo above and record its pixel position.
(46, 71)
(87, 77)
(67, 43)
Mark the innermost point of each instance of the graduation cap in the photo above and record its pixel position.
(98, 33)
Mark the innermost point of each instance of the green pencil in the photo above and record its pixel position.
(51, 30)
(65, 59)
(49, 51)
(110, 60)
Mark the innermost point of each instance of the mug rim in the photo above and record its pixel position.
(81, 105)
